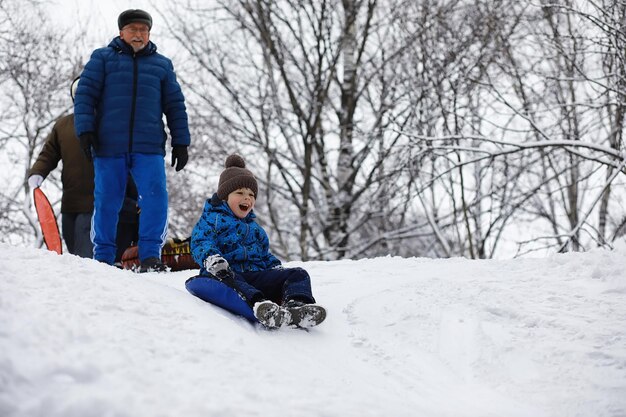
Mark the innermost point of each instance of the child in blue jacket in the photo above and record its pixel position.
(236, 264)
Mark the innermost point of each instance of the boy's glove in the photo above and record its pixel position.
(35, 181)
(218, 267)
(87, 140)
(179, 157)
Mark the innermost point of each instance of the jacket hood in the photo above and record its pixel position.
(119, 45)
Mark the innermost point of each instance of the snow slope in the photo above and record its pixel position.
(404, 337)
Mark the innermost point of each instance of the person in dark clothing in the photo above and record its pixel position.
(77, 179)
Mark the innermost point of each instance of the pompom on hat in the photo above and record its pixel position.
(234, 177)
(134, 16)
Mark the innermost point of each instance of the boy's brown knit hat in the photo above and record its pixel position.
(234, 177)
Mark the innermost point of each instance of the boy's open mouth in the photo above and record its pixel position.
(243, 207)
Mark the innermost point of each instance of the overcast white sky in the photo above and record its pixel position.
(101, 16)
(100, 19)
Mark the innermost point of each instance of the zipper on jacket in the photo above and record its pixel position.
(131, 125)
(245, 251)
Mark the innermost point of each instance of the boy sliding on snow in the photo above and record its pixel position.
(233, 249)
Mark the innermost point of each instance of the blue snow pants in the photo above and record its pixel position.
(111, 176)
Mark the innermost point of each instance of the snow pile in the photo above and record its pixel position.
(404, 337)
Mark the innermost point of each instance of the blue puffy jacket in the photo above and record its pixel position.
(122, 96)
(242, 242)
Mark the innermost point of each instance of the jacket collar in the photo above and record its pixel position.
(122, 47)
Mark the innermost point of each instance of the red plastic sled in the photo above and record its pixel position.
(47, 221)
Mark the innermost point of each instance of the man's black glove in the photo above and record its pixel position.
(87, 141)
(179, 157)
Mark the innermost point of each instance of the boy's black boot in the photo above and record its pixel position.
(304, 315)
(270, 314)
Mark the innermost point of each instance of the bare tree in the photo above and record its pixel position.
(566, 107)
(431, 127)
(609, 19)
(518, 139)
(308, 87)
(35, 72)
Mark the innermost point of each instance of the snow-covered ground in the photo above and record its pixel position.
(404, 337)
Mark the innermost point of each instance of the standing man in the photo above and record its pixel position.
(122, 95)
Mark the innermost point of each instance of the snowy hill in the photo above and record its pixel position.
(404, 337)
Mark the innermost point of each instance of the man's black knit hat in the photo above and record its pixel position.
(134, 16)
(234, 177)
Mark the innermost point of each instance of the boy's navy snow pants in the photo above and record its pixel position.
(277, 285)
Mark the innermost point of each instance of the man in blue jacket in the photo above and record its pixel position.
(123, 92)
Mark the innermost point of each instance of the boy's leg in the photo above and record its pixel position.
(264, 307)
(281, 285)
(293, 286)
(297, 286)
(109, 186)
(249, 292)
(148, 172)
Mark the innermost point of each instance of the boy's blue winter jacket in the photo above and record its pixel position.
(122, 96)
(242, 242)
